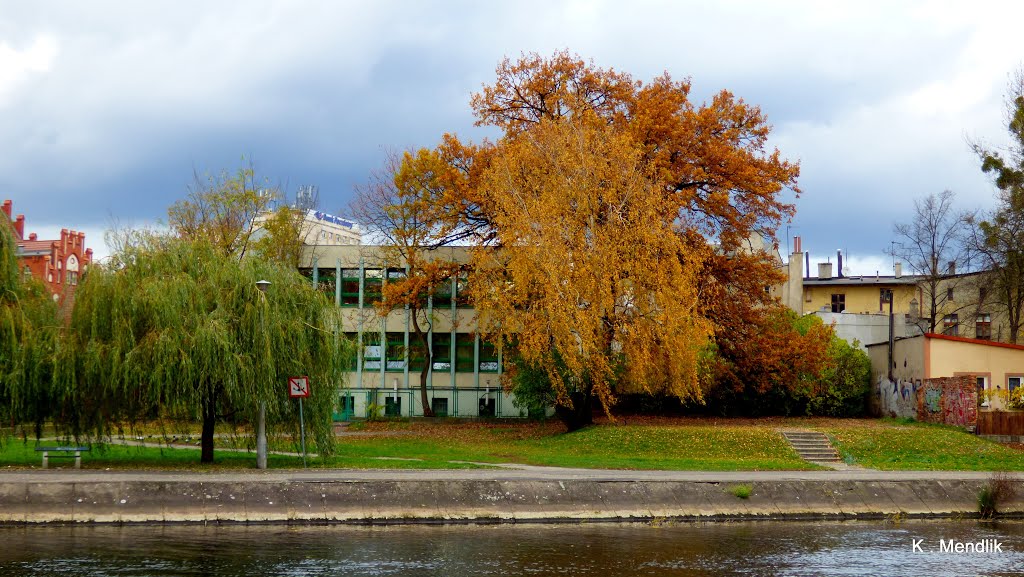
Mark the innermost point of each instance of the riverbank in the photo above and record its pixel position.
(531, 494)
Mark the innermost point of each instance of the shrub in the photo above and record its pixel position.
(742, 491)
(1000, 488)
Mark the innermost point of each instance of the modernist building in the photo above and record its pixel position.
(464, 377)
(57, 263)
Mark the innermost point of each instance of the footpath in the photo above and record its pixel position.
(510, 493)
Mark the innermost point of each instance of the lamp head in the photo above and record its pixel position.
(262, 285)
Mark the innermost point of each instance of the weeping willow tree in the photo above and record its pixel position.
(29, 329)
(177, 329)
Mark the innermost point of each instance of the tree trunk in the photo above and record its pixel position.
(579, 415)
(209, 420)
(428, 359)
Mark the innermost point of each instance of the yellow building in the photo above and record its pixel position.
(998, 367)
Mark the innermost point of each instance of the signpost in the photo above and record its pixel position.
(298, 388)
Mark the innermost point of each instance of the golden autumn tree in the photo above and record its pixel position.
(400, 206)
(593, 280)
(709, 165)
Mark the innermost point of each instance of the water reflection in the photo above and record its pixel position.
(790, 549)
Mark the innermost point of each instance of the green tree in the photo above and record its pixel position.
(997, 238)
(222, 209)
(178, 329)
(281, 235)
(29, 331)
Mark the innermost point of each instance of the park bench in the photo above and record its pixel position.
(62, 452)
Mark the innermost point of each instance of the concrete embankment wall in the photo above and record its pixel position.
(377, 501)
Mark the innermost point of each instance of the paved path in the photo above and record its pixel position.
(505, 472)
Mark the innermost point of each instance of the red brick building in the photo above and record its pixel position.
(58, 263)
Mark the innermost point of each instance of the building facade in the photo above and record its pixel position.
(998, 368)
(464, 378)
(58, 263)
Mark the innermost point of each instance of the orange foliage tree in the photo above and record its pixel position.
(400, 205)
(715, 178)
(603, 195)
(592, 280)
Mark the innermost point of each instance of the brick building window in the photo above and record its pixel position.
(950, 324)
(838, 303)
(983, 327)
(949, 294)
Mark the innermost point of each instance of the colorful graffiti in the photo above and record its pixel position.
(949, 400)
(897, 398)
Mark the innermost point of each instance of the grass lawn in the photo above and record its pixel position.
(685, 447)
(892, 445)
(641, 443)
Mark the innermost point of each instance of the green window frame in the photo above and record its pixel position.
(462, 299)
(350, 287)
(373, 283)
(442, 343)
(325, 280)
(488, 362)
(354, 363)
(371, 352)
(443, 294)
(417, 356)
(464, 343)
(395, 352)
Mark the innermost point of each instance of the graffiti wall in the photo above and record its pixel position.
(949, 400)
(897, 398)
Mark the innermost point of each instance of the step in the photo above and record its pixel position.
(812, 447)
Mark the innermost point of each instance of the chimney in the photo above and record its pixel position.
(899, 270)
(807, 263)
(839, 264)
(8, 204)
(796, 245)
(32, 236)
(952, 267)
(824, 270)
(19, 226)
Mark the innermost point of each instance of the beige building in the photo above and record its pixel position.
(851, 301)
(464, 377)
(997, 367)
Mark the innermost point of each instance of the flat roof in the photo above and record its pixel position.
(955, 339)
(863, 280)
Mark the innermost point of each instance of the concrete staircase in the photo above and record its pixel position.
(813, 447)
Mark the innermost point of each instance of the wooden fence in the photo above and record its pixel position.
(1000, 423)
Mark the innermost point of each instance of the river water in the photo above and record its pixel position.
(690, 549)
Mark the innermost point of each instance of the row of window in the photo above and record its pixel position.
(393, 353)
(885, 295)
(439, 405)
(982, 326)
(373, 281)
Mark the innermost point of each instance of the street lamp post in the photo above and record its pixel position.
(261, 427)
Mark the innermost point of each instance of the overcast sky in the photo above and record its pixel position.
(106, 108)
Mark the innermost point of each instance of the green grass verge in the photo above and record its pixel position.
(892, 445)
(456, 446)
(692, 444)
(707, 448)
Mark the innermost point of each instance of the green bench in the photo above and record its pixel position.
(62, 452)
